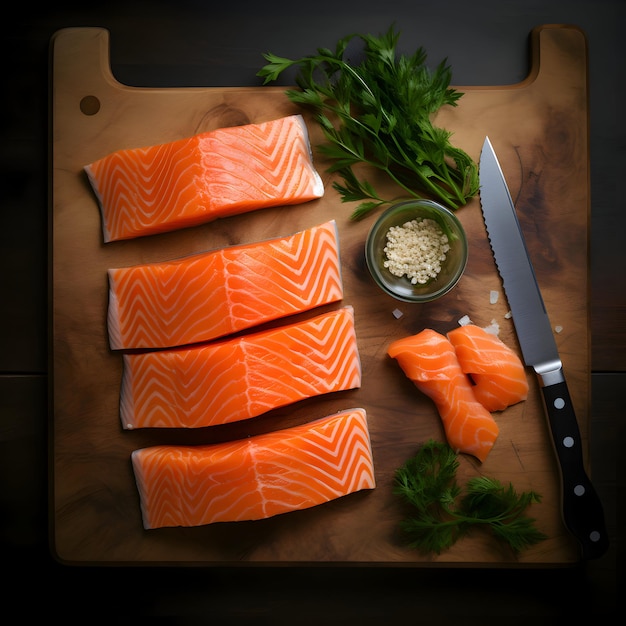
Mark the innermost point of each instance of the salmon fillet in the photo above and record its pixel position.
(497, 372)
(255, 478)
(236, 379)
(428, 359)
(143, 191)
(209, 295)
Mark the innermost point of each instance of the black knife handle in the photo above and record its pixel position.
(582, 510)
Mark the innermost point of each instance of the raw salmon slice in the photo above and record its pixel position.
(497, 372)
(206, 296)
(236, 379)
(255, 478)
(142, 191)
(428, 359)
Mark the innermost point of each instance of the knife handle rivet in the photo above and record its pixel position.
(559, 403)
(579, 490)
(594, 535)
(568, 442)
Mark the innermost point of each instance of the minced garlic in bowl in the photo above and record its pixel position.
(416, 251)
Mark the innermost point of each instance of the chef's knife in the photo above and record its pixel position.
(581, 508)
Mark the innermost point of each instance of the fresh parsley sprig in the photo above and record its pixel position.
(444, 512)
(379, 113)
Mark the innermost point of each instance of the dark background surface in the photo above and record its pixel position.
(166, 44)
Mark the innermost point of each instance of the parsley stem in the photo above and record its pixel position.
(443, 513)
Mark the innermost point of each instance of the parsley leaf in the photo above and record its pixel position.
(379, 113)
(443, 512)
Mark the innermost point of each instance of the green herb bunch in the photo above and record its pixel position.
(444, 512)
(379, 113)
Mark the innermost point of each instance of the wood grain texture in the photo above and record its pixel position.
(539, 130)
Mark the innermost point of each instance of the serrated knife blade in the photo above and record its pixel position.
(581, 508)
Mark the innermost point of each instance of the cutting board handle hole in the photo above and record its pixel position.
(90, 105)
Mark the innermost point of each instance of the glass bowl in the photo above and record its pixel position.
(451, 269)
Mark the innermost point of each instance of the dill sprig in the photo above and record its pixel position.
(444, 512)
(379, 113)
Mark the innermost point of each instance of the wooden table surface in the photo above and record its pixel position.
(192, 46)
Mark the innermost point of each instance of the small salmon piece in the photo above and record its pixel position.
(498, 373)
(258, 477)
(191, 181)
(428, 359)
(236, 379)
(206, 296)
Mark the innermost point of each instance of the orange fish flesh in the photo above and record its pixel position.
(209, 295)
(240, 378)
(255, 478)
(428, 359)
(497, 372)
(191, 181)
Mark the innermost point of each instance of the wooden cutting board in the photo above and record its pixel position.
(539, 130)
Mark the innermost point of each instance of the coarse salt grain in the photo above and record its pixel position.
(416, 249)
(493, 328)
